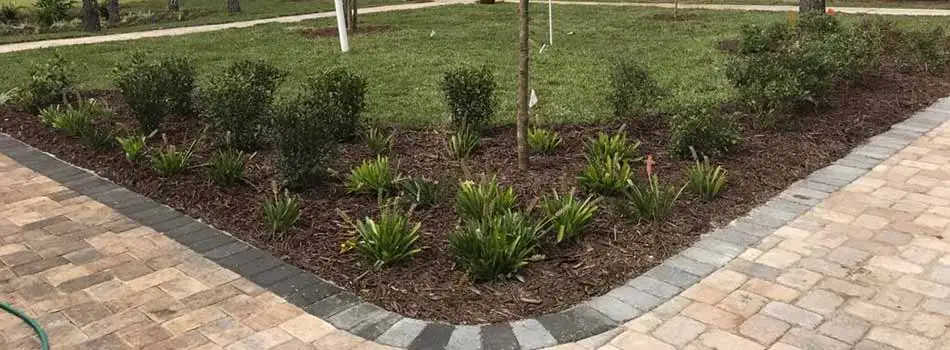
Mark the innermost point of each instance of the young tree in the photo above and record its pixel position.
(90, 16)
(523, 57)
(112, 8)
(234, 6)
(811, 6)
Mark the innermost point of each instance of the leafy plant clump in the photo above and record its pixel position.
(133, 146)
(387, 240)
(238, 101)
(607, 176)
(543, 141)
(80, 121)
(343, 92)
(566, 215)
(485, 199)
(155, 89)
(463, 143)
(281, 212)
(52, 11)
(706, 180)
(378, 141)
(613, 146)
(652, 201)
(470, 96)
(423, 192)
(305, 143)
(633, 92)
(373, 177)
(227, 166)
(170, 161)
(495, 247)
(50, 83)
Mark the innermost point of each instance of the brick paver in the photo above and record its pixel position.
(867, 268)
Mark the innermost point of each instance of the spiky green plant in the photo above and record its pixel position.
(386, 240)
(227, 166)
(652, 201)
(543, 141)
(485, 199)
(705, 179)
(495, 247)
(281, 212)
(373, 177)
(424, 192)
(613, 146)
(378, 141)
(607, 176)
(463, 143)
(566, 215)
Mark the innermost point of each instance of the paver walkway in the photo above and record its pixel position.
(867, 268)
(297, 18)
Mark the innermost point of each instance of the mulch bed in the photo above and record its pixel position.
(430, 286)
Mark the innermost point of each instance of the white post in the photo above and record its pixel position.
(341, 26)
(550, 24)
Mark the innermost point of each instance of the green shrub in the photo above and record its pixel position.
(652, 201)
(709, 133)
(543, 141)
(706, 180)
(169, 161)
(52, 11)
(227, 166)
(387, 240)
(566, 215)
(485, 199)
(495, 247)
(238, 101)
(98, 137)
(424, 192)
(132, 146)
(607, 176)
(50, 83)
(633, 92)
(10, 14)
(343, 92)
(378, 141)
(304, 142)
(614, 146)
(930, 50)
(470, 96)
(281, 212)
(155, 89)
(373, 177)
(463, 143)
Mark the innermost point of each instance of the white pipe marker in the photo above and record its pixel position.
(341, 26)
(550, 23)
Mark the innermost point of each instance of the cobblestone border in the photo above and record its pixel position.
(595, 316)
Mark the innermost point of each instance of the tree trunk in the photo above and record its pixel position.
(349, 13)
(523, 58)
(90, 15)
(173, 5)
(817, 6)
(112, 7)
(234, 6)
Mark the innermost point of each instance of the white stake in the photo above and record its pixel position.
(341, 26)
(550, 23)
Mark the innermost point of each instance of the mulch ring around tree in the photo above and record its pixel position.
(431, 285)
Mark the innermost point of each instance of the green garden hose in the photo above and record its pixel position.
(44, 342)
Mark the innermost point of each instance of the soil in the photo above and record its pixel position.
(331, 32)
(430, 285)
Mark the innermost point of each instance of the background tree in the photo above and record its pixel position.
(234, 6)
(349, 9)
(522, 127)
(112, 9)
(811, 6)
(173, 5)
(90, 15)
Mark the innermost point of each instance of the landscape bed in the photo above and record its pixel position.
(432, 284)
(426, 286)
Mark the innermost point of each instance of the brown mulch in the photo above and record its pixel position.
(430, 285)
(331, 32)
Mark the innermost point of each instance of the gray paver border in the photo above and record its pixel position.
(600, 314)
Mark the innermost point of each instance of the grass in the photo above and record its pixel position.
(404, 66)
(207, 12)
(923, 4)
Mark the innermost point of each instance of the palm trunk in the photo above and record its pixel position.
(90, 16)
(234, 6)
(817, 6)
(112, 7)
(522, 122)
(173, 5)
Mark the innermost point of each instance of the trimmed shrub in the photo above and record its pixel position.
(52, 11)
(10, 14)
(305, 144)
(50, 83)
(633, 92)
(344, 92)
(155, 89)
(495, 247)
(237, 102)
(709, 133)
(470, 96)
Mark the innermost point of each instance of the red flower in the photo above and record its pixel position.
(650, 163)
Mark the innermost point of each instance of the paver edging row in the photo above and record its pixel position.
(600, 314)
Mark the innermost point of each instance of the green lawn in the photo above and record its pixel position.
(931, 4)
(404, 66)
(210, 11)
